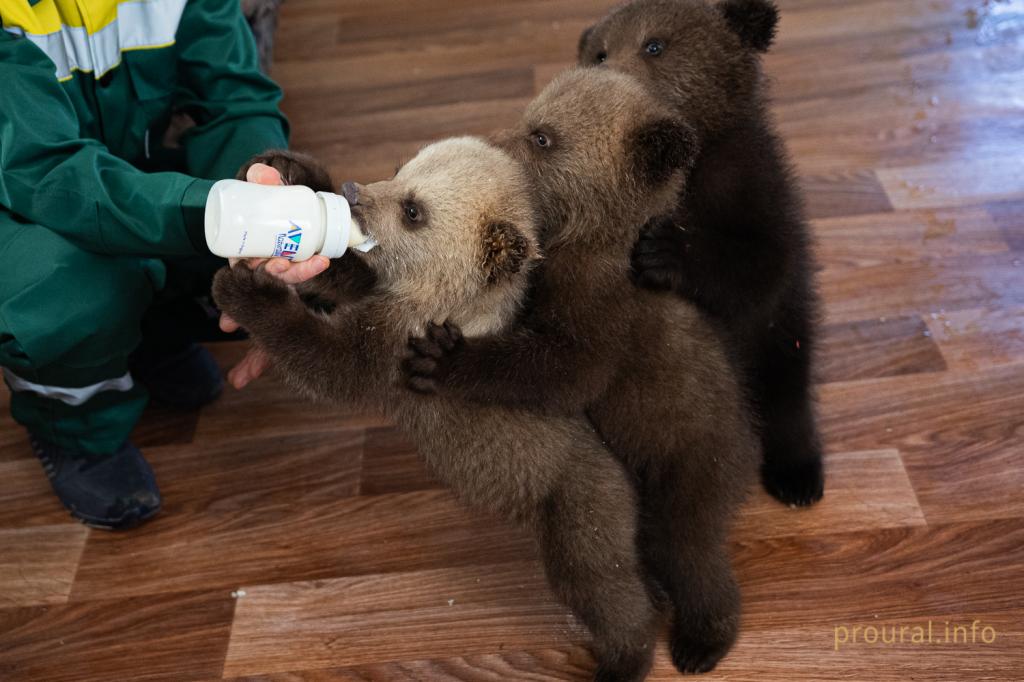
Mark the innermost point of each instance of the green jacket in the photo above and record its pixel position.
(87, 88)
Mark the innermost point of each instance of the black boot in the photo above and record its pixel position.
(103, 491)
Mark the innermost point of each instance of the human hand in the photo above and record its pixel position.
(256, 361)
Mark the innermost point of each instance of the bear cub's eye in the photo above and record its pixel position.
(602, 57)
(654, 47)
(412, 212)
(541, 140)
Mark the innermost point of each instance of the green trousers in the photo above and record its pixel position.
(69, 319)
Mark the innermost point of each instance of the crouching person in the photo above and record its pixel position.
(101, 238)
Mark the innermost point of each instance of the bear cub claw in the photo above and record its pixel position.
(428, 362)
(658, 255)
(798, 484)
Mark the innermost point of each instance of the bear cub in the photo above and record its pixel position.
(457, 240)
(737, 243)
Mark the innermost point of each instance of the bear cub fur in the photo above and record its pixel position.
(457, 240)
(737, 244)
(605, 157)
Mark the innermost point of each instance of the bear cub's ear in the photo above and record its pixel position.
(581, 47)
(660, 148)
(754, 21)
(505, 250)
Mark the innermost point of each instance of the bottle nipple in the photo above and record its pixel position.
(359, 240)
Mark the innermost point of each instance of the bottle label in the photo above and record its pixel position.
(287, 243)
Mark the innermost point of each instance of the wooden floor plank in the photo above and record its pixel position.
(841, 194)
(160, 637)
(979, 338)
(284, 413)
(899, 573)
(38, 564)
(904, 125)
(1009, 216)
(921, 288)
(959, 434)
(26, 498)
(865, 491)
(546, 665)
(354, 621)
(351, 536)
(857, 241)
(13, 439)
(437, 613)
(229, 479)
(871, 349)
(809, 654)
(952, 184)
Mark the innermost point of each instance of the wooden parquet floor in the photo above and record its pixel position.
(304, 543)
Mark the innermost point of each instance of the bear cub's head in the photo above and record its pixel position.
(701, 56)
(604, 155)
(456, 233)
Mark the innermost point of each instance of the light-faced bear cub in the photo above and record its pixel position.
(605, 157)
(737, 243)
(457, 240)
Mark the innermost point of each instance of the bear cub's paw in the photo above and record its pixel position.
(627, 667)
(245, 294)
(658, 256)
(428, 362)
(699, 649)
(795, 483)
(295, 169)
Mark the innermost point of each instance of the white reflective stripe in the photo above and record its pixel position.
(71, 396)
(145, 24)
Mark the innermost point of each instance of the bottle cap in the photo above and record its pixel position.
(337, 226)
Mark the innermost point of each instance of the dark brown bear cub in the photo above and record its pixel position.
(737, 244)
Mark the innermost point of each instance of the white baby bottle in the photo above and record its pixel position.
(247, 220)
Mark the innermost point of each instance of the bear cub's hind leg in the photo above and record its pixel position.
(588, 537)
(792, 470)
(684, 547)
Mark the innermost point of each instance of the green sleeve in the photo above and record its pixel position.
(74, 186)
(221, 87)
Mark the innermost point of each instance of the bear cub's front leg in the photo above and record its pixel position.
(249, 296)
(659, 256)
(295, 169)
(429, 359)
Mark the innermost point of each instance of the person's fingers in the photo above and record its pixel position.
(294, 273)
(239, 374)
(278, 266)
(251, 367)
(259, 364)
(228, 324)
(251, 263)
(262, 174)
(248, 370)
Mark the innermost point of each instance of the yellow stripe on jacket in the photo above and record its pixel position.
(89, 35)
